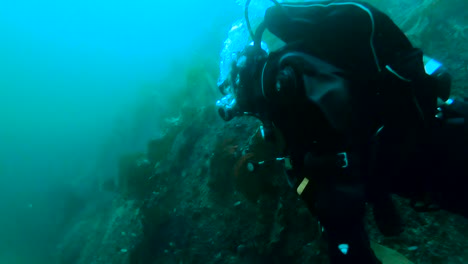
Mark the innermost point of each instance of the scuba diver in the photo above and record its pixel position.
(351, 97)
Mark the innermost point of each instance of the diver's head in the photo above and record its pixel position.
(242, 88)
(245, 78)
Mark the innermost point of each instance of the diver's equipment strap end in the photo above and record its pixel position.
(300, 189)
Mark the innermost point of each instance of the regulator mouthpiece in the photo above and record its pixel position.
(227, 107)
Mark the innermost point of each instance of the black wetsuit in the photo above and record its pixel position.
(351, 66)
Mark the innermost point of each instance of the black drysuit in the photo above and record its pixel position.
(351, 66)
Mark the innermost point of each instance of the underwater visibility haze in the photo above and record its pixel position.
(112, 149)
(71, 75)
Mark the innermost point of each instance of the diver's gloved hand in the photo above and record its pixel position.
(453, 108)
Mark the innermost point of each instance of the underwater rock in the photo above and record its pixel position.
(134, 173)
(101, 232)
(157, 149)
(218, 208)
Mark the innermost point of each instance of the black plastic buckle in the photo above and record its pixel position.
(343, 160)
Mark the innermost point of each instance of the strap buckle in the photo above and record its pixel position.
(344, 159)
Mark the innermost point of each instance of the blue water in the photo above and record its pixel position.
(72, 74)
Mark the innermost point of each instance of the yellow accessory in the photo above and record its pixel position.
(302, 186)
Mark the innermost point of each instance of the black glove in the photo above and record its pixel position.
(453, 109)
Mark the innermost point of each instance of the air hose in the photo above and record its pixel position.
(256, 37)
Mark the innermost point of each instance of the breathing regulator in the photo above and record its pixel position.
(242, 89)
